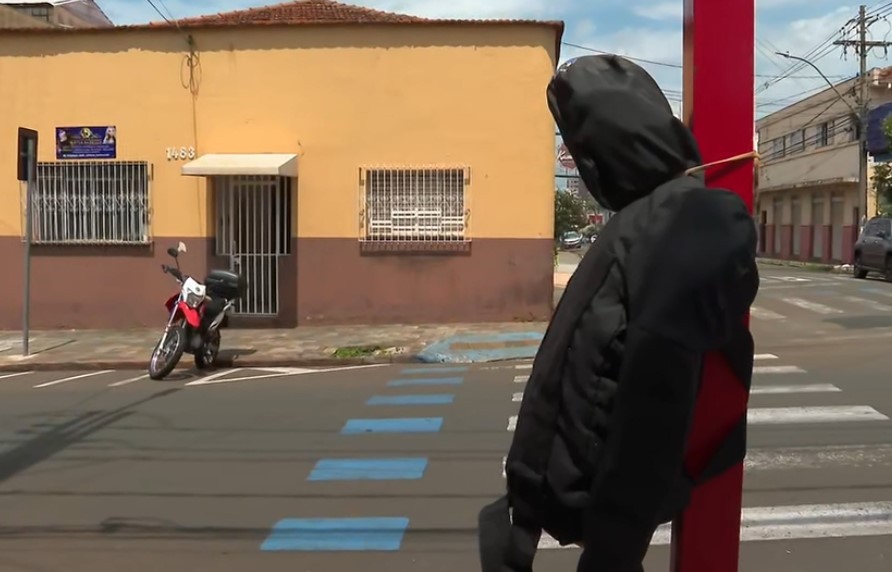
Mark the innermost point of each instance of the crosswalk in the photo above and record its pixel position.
(774, 380)
(820, 297)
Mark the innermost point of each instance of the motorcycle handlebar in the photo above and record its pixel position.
(173, 272)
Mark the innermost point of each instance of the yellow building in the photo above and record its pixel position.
(355, 166)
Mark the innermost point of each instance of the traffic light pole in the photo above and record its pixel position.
(719, 106)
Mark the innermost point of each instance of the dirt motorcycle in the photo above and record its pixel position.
(197, 313)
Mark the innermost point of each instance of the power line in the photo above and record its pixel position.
(663, 64)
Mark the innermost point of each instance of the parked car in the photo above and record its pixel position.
(571, 240)
(873, 250)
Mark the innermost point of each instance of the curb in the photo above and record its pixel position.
(809, 266)
(222, 364)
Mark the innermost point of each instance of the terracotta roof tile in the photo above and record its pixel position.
(300, 12)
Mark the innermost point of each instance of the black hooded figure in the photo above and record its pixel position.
(598, 452)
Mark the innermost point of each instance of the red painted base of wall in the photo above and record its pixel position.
(769, 241)
(806, 248)
(827, 241)
(806, 243)
(787, 241)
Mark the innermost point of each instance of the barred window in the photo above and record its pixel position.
(414, 205)
(91, 202)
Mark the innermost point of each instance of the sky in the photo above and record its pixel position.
(646, 29)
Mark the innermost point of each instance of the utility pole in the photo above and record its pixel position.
(863, 47)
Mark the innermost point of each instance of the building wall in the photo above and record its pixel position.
(340, 97)
(815, 224)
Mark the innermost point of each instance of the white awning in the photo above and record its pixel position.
(276, 164)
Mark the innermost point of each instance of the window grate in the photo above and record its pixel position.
(91, 202)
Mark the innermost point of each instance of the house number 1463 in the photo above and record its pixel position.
(180, 153)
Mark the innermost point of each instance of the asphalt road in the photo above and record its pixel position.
(108, 471)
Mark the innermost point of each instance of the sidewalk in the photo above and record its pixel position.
(813, 266)
(304, 346)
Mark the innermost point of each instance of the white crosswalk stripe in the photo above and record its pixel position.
(760, 313)
(812, 306)
(815, 521)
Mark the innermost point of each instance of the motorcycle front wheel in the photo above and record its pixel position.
(168, 352)
(206, 356)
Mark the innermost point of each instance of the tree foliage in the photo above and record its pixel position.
(570, 212)
(882, 176)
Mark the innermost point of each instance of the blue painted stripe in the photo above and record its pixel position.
(426, 381)
(432, 399)
(433, 369)
(368, 469)
(393, 425)
(337, 534)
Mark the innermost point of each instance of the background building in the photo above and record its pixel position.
(325, 151)
(45, 13)
(808, 194)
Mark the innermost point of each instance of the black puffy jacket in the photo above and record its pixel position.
(598, 450)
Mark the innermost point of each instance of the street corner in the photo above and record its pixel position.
(482, 348)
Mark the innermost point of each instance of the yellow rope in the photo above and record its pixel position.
(754, 155)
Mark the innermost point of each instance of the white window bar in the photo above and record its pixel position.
(414, 205)
(91, 202)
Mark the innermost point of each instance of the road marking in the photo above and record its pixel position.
(827, 414)
(759, 357)
(426, 381)
(72, 378)
(517, 397)
(793, 458)
(127, 381)
(790, 415)
(433, 369)
(791, 279)
(816, 457)
(521, 378)
(792, 523)
(766, 369)
(776, 389)
(763, 314)
(206, 379)
(17, 374)
(872, 304)
(812, 306)
(524, 366)
(336, 534)
(421, 399)
(215, 379)
(393, 425)
(368, 469)
(218, 377)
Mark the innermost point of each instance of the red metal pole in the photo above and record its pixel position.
(719, 40)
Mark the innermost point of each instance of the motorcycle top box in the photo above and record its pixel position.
(225, 284)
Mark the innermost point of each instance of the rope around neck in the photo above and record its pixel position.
(754, 155)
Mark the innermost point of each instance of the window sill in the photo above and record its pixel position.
(385, 247)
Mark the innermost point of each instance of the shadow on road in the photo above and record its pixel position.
(59, 437)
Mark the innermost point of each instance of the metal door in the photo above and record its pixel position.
(778, 224)
(254, 231)
(795, 222)
(837, 216)
(817, 226)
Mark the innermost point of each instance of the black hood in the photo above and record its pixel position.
(619, 128)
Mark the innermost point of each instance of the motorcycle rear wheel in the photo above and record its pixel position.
(159, 368)
(206, 356)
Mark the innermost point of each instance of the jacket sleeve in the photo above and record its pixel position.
(690, 279)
